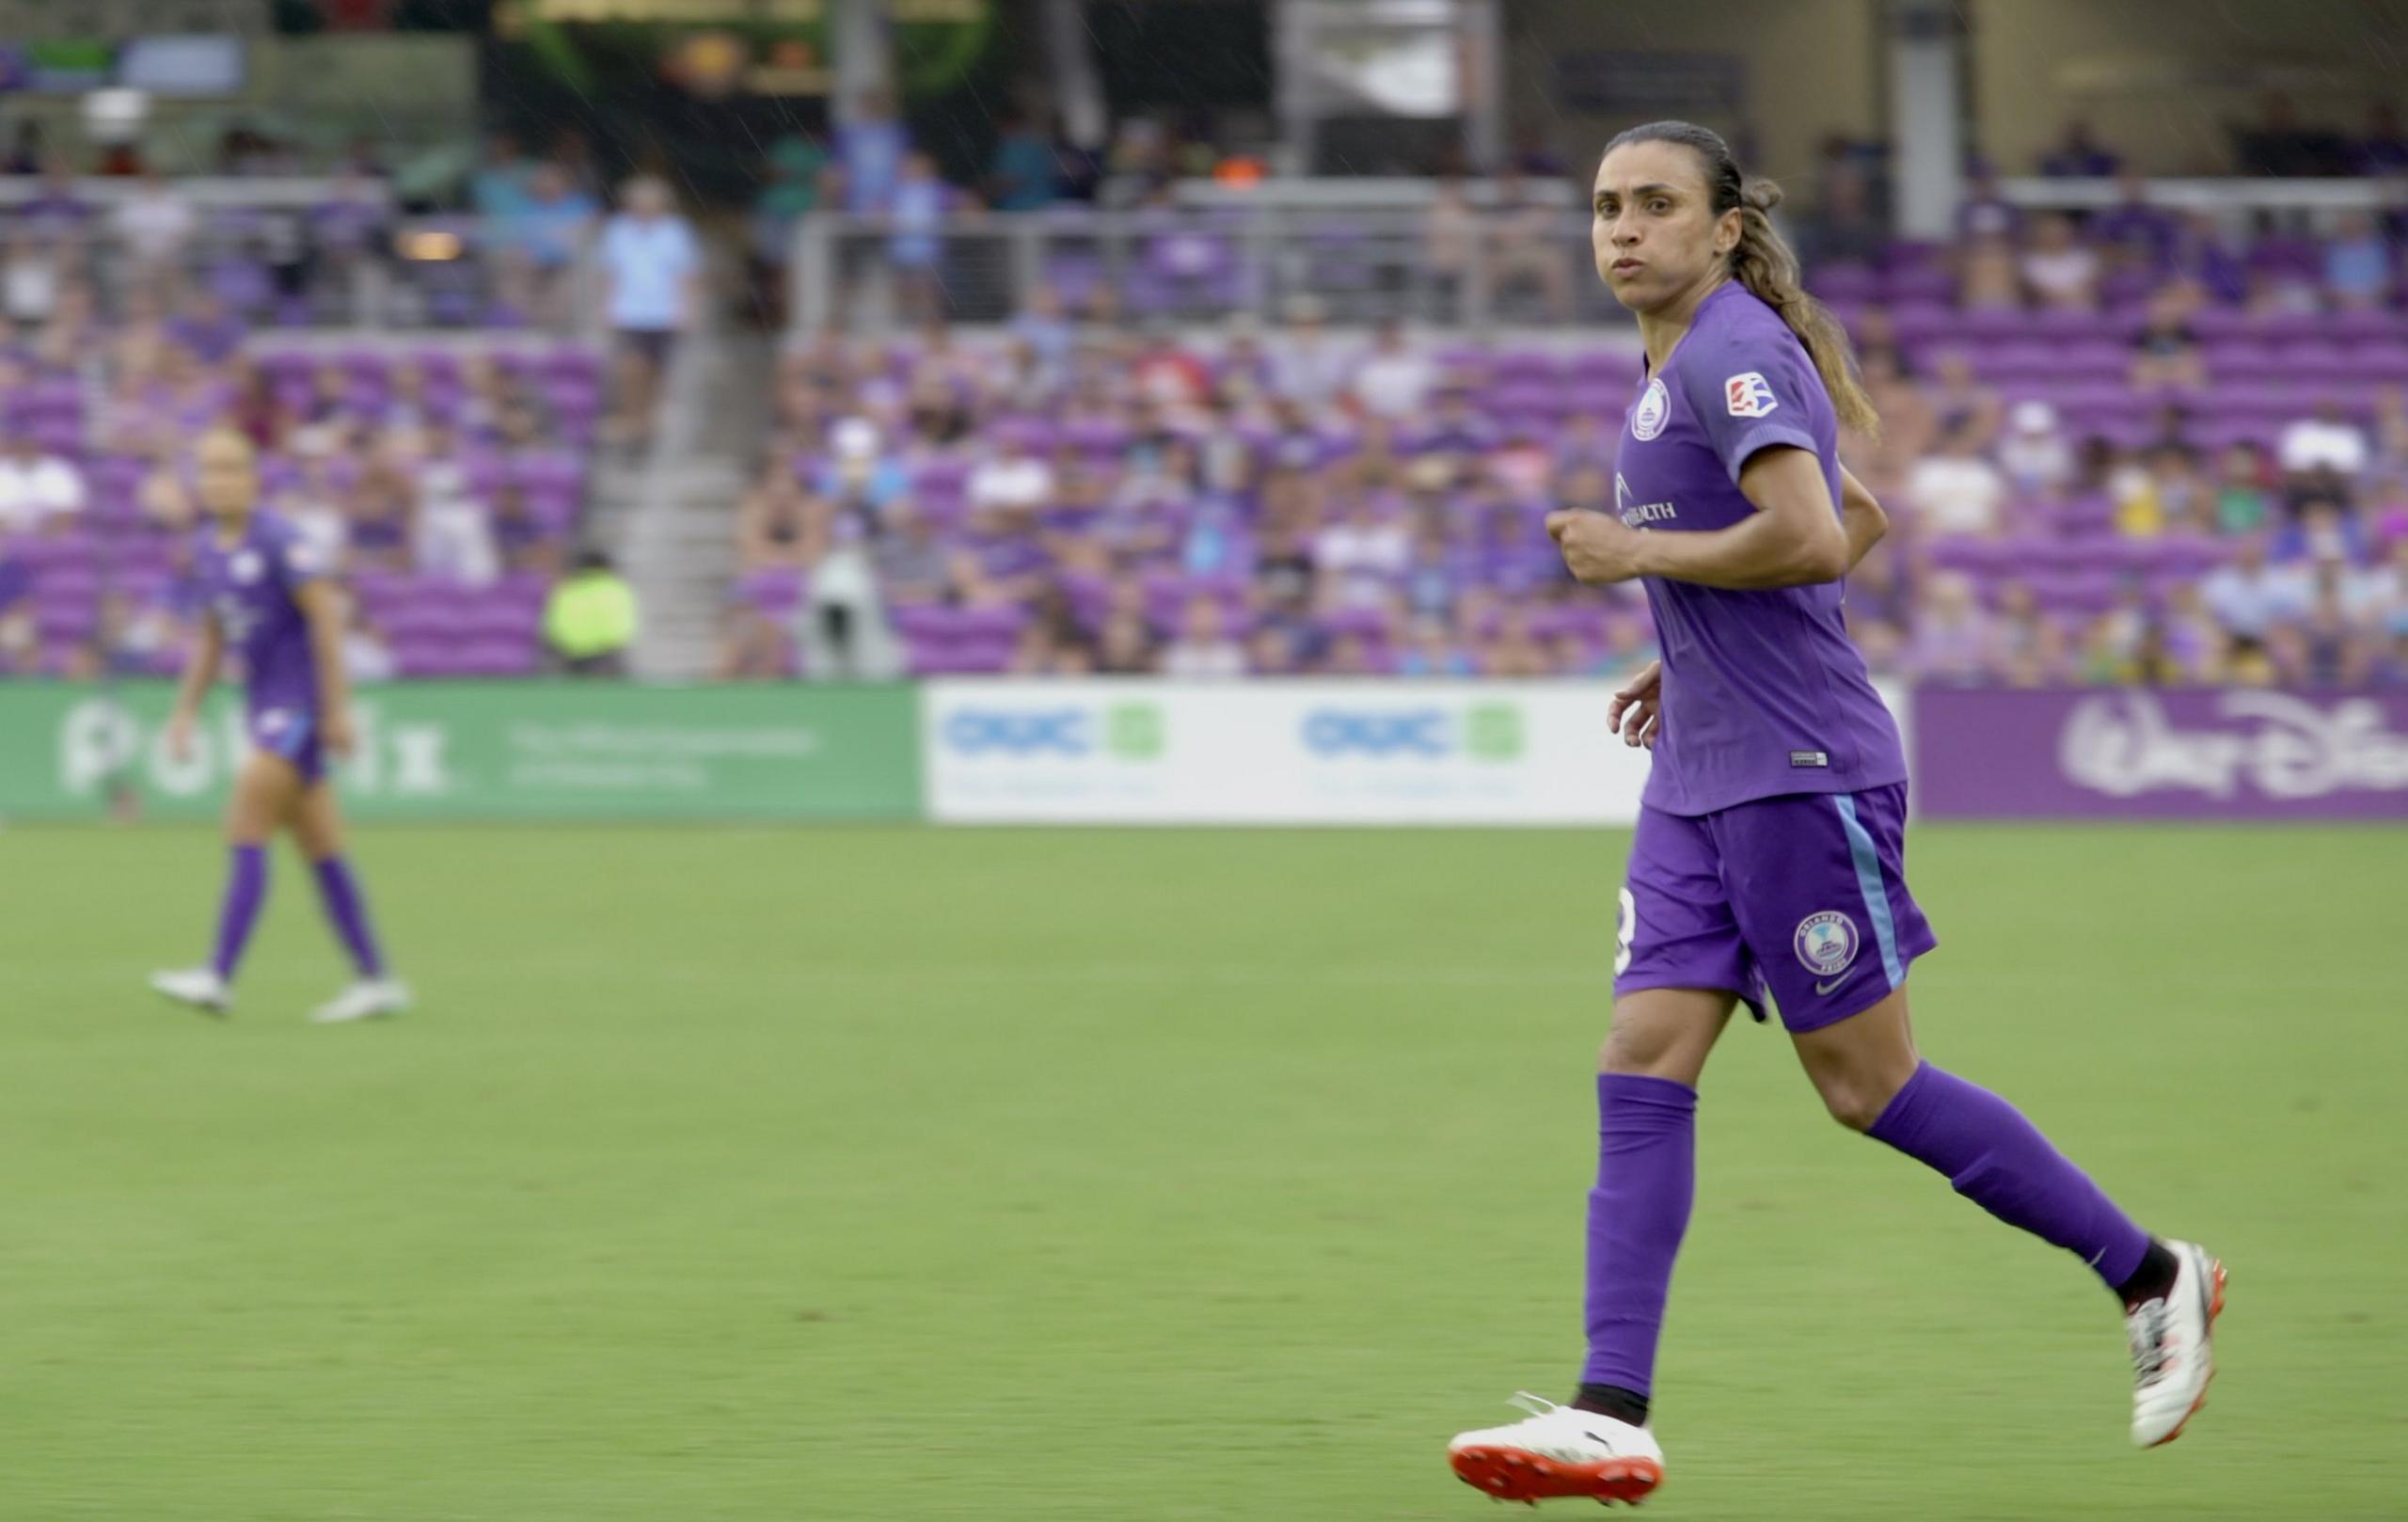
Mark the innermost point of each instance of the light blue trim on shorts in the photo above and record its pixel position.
(1868, 882)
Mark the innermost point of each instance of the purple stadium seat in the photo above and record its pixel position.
(1922, 323)
(1921, 284)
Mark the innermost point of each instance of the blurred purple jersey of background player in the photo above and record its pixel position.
(263, 596)
(1767, 866)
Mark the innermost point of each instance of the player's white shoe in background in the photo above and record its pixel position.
(367, 999)
(1559, 1451)
(2173, 1357)
(200, 987)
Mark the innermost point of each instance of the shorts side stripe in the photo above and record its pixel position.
(1868, 882)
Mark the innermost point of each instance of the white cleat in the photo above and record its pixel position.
(200, 987)
(370, 998)
(1560, 1452)
(2173, 1357)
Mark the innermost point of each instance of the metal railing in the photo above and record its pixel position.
(1362, 250)
(304, 254)
(2296, 205)
(1359, 265)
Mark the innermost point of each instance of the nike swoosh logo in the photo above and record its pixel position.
(1605, 1443)
(1823, 990)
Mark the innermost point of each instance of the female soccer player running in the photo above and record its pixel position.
(263, 596)
(1769, 849)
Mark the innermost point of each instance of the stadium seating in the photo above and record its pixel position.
(435, 626)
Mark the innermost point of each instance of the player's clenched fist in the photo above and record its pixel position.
(1597, 548)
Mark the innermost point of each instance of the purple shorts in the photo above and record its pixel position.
(1802, 897)
(293, 733)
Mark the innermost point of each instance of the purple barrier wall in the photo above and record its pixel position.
(2128, 754)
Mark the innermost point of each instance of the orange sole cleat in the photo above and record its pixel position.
(1510, 1474)
(2216, 1308)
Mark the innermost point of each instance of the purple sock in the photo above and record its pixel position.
(245, 889)
(2000, 1160)
(339, 891)
(1646, 1177)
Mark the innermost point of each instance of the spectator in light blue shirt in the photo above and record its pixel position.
(552, 222)
(2248, 598)
(916, 245)
(652, 265)
(542, 238)
(2357, 263)
(870, 150)
(498, 188)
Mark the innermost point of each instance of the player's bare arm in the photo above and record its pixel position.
(1793, 538)
(1860, 519)
(322, 605)
(200, 671)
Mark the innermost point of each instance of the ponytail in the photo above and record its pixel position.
(1763, 262)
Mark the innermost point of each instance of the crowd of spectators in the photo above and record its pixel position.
(2130, 446)
(445, 477)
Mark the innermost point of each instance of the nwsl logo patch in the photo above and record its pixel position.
(1749, 395)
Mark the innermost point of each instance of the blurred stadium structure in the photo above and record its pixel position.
(1242, 339)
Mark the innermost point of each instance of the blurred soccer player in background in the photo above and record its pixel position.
(263, 594)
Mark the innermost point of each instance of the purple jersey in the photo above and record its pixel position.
(1763, 691)
(250, 590)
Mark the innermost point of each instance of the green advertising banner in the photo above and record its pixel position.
(493, 750)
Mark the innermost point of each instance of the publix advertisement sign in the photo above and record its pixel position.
(500, 750)
(1294, 752)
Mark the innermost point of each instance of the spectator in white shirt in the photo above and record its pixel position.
(2058, 269)
(1307, 364)
(1394, 380)
(2035, 454)
(1203, 651)
(156, 225)
(365, 654)
(36, 490)
(2322, 454)
(652, 265)
(1955, 491)
(454, 532)
(30, 275)
(1005, 492)
(313, 504)
(1362, 557)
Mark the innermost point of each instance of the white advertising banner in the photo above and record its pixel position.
(1274, 752)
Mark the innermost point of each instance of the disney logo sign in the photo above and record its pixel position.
(2280, 745)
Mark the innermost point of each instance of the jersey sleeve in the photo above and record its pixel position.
(1749, 394)
(296, 561)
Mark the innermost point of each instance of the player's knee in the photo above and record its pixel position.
(1645, 1049)
(1857, 1095)
(1855, 1105)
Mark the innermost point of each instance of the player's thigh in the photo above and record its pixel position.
(1816, 881)
(317, 821)
(1666, 1032)
(267, 790)
(1675, 926)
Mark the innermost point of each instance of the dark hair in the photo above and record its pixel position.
(1765, 266)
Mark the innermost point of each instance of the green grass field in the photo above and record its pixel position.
(1049, 1176)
